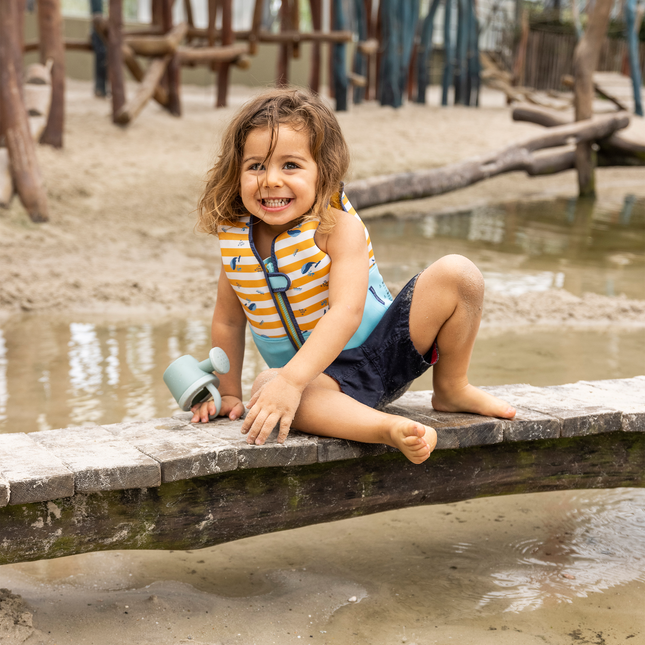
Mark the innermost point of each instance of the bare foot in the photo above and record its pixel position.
(471, 399)
(413, 439)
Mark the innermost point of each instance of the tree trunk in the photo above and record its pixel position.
(585, 62)
(22, 149)
(50, 27)
(115, 57)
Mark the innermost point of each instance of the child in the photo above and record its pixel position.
(297, 265)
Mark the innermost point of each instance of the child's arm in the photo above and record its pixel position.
(227, 332)
(278, 400)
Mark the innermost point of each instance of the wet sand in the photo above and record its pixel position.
(556, 568)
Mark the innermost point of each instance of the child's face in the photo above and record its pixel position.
(284, 188)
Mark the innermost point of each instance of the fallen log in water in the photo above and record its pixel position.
(385, 189)
(167, 484)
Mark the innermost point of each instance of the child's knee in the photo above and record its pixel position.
(462, 273)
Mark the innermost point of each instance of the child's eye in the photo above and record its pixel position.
(256, 166)
(290, 165)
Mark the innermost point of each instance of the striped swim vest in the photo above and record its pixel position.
(285, 295)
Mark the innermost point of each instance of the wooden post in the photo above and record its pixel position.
(474, 65)
(256, 25)
(425, 52)
(99, 39)
(115, 57)
(370, 90)
(316, 19)
(173, 71)
(227, 39)
(461, 53)
(409, 16)
(22, 149)
(361, 61)
(585, 62)
(283, 58)
(447, 52)
(390, 63)
(50, 28)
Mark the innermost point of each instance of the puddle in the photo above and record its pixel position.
(567, 244)
(59, 373)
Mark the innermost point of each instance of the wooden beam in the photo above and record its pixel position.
(173, 68)
(224, 54)
(316, 19)
(149, 83)
(50, 29)
(157, 45)
(256, 25)
(160, 95)
(70, 44)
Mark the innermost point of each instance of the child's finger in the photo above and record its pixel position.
(267, 428)
(285, 426)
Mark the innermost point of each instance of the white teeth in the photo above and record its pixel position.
(274, 203)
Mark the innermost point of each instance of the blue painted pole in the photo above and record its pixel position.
(409, 12)
(340, 59)
(391, 60)
(425, 53)
(634, 61)
(360, 60)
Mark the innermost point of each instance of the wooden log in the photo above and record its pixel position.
(50, 29)
(160, 95)
(188, 10)
(288, 36)
(26, 173)
(385, 189)
(70, 44)
(149, 83)
(115, 57)
(158, 45)
(224, 54)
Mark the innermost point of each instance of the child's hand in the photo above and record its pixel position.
(276, 402)
(232, 407)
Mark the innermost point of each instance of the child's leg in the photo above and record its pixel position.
(447, 305)
(355, 421)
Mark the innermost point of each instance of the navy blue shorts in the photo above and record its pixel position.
(384, 366)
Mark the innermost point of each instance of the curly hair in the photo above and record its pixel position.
(221, 204)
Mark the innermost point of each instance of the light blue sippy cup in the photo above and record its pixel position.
(191, 382)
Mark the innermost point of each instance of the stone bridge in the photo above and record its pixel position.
(167, 484)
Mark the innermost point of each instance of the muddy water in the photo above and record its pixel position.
(556, 568)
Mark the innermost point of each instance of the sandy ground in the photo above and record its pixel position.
(122, 202)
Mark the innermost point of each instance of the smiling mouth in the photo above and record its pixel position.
(276, 203)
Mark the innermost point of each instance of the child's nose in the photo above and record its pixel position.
(272, 177)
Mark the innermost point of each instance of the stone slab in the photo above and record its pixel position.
(626, 394)
(182, 450)
(330, 449)
(299, 449)
(99, 460)
(578, 414)
(454, 430)
(4, 491)
(34, 474)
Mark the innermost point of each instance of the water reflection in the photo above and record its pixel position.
(580, 245)
(59, 373)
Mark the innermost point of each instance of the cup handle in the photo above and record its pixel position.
(216, 398)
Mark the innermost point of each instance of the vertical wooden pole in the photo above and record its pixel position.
(173, 71)
(283, 58)
(331, 71)
(115, 57)
(462, 52)
(157, 13)
(255, 26)
(295, 25)
(19, 8)
(447, 49)
(585, 62)
(316, 19)
(227, 39)
(50, 28)
(474, 66)
(370, 90)
(408, 17)
(100, 51)
(21, 147)
(391, 62)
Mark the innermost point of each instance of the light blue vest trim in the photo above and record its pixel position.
(277, 352)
